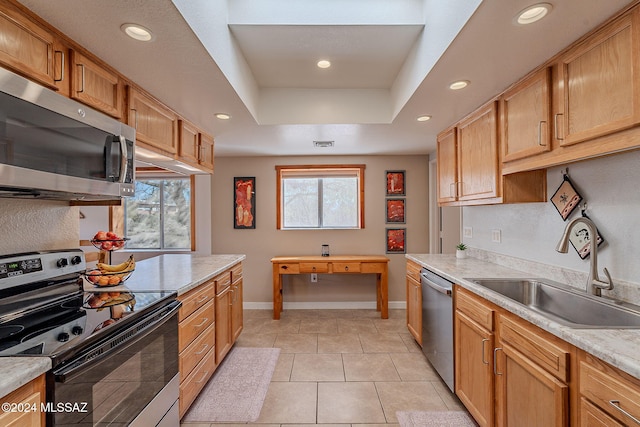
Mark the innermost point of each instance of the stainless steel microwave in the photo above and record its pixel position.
(53, 147)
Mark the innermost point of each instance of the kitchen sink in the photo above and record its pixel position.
(565, 305)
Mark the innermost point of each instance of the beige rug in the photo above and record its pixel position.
(237, 390)
(435, 419)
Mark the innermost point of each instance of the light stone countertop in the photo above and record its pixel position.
(171, 272)
(619, 347)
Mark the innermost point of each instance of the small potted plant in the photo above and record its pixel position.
(461, 250)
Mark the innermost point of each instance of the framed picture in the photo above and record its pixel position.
(395, 183)
(396, 240)
(395, 211)
(244, 202)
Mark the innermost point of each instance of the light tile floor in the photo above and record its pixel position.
(342, 368)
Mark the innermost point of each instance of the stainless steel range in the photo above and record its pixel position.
(114, 354)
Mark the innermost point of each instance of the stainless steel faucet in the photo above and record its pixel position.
(594, 284)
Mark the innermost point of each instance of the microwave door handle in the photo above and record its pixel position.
(124, 159)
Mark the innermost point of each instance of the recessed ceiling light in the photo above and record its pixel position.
(323, 63)
(137, 32)
(533, 13)
(460, 84)
(423, 118)
(223, 116)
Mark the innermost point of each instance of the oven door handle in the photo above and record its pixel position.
(81, 364)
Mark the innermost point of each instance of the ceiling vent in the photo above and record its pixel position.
(323, 144)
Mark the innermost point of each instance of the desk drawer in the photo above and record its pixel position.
(314, 267)
(346, 267)
(289, 268)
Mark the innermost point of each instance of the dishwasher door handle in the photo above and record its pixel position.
(441, 289)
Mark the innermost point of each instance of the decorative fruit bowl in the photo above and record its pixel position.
(105, 279)
(109, 244)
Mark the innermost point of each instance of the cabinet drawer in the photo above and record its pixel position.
(543, 349)
(197, 350)
(592, 416)
(609, 390)
(222, 281)
(346, 267)
(194, 299)
(236, 272)
(413, 270)
(314, 267)
(191, 386)
(474, 308)
(193, 325)
(289, 268)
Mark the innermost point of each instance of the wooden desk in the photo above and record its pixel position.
(343, 264)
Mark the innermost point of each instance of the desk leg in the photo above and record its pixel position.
(383, 293)
(277, 292)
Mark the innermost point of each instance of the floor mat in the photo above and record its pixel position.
(237, 390)
(435, 419)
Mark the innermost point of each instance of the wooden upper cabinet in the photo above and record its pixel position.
(95, 86)
(155, 124)
(598, 82)
(26, 47)
(195, 147)
(189, 142)
(206, 151)
(447, 166)
(478, 154)
(525, 117)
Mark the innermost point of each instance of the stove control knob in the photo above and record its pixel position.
(63, 337)
(77, 330)
(76, 260)
(62, 262)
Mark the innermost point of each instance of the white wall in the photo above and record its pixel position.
(611, 188)
(265, 242)
(30, 225)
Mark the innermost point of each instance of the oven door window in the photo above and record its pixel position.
(116, 388)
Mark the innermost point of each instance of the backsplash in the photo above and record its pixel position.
(30, 225)
(531, 231)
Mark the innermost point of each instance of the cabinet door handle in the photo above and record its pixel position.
(540, 123)
(204, 348)
(616, 404)
(495, 361)
(484, 362)
(555, 124)
(81, 78)
(61, 66)
(204, 321)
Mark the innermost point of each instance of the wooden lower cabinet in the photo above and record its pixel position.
(414, 301)
(29, 395)
(210, 321)
(474, 372)
(508, 372)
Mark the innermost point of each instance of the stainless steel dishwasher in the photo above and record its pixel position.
(437, 323)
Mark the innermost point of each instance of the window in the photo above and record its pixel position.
(159, 215)
(320, 196)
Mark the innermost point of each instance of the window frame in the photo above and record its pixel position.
(318, 170)
(117, 215)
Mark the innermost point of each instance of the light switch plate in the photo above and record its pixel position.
(496, 235)
(467, 232)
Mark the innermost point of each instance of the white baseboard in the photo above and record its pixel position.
(323, 305)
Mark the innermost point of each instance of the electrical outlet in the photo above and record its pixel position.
(467, 232)
(314, 278)
(496, 235)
